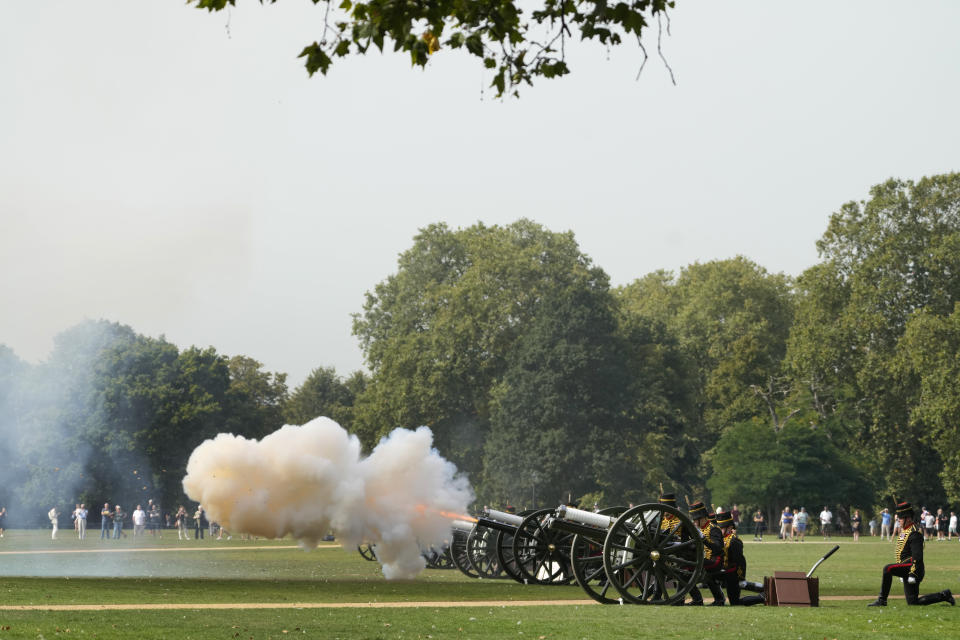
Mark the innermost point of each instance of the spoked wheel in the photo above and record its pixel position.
(586, 556)
(650, 565)
(458, 552)
(444, 559)
(542, 555)
(506, 557)
(366, 550)
(482, 552)
(438, 557)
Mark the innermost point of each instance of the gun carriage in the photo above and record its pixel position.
(649, 554)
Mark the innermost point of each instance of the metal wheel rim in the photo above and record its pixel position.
(649, 566)
(542, 555)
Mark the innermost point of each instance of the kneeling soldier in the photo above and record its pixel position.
(712, 554)
(734, 563)
(909, 564)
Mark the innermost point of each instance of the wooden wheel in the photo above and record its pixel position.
(648, 564)
(367, 551)
(482, 552)
(542, 555)
(506, 557)
(458, 551)
(586, 557)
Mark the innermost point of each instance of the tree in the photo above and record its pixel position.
(721, 327)
(438, 334)
(755, 464)
(558, 418)
(324, 393)
(518, 45)
(882, 261)
(255, 398)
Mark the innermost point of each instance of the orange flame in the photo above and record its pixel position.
(422, 509)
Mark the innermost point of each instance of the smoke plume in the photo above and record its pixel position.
(307, 481)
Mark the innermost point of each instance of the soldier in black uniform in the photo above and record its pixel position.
(908, 565)
(734, 563)
(669, 522)
(712, 555)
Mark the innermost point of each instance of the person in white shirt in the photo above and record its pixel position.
(826, 518)
(952, 531)
(54, 515)
(930, 524)
(80, 517)
(139, 521)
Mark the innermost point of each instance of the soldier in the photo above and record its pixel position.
(669, 522)
(712, 555)
(734, 563)
(908, 565)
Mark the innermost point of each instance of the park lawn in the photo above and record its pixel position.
(568, 622)
(124, 572)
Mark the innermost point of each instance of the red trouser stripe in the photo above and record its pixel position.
(899, 566)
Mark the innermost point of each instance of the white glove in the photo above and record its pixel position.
(911, 580)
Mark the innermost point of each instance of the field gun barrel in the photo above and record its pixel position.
(585, 517)
(500, 521)
(462, 525)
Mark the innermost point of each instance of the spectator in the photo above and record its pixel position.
(3, 516)
(941, 525)
(735, 514)
(118, 516)
(786, 524)
(885, 522)
(801, 521)
(139, 521)
(951, 531)
(929, 523)
(855, 525)
(73, 516)
(826, 520)
(759, 525)
(153, 513)
(81, 520)
(199, 523)
(54, 516)
(181, 520)
(105, 517)
(873, 526)
(897, 527)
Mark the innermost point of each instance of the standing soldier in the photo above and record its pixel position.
(908, 565)
(734, 563)
(712, 554)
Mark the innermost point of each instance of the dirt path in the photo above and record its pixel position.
(330, 605)
(150, 549)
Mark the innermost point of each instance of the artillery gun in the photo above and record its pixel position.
(650, 554)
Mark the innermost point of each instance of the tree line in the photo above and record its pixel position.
(543, 382)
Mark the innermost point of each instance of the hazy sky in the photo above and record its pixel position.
(178, 171)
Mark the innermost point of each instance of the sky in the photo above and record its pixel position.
(179, 172)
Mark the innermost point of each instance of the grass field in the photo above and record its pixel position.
(284, 591)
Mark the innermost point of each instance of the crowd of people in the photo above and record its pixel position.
(795, 523)
(115, 521)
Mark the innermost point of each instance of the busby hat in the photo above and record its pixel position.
(905, 510)
(668, 498)
(724, 520)
(698, 510)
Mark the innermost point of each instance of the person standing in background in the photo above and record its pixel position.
(82, 521)
(885, 522)
(855, 524)
(118, 516)
(139, 521)
(759, 524)
(3, 516)
(951, 531)
(105, 517)
(182, 524)
(54, 516)
(786, 524)
(826, 520)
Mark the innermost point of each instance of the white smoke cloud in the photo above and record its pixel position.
(307, 481)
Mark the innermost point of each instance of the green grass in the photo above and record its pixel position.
(222, 571)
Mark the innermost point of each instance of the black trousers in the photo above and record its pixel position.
(732, 582)
(911, 591)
